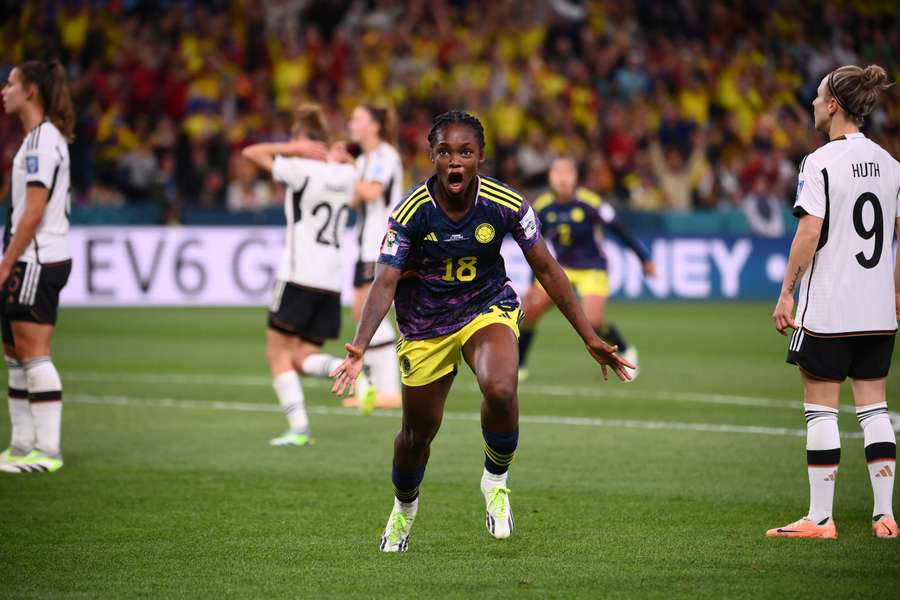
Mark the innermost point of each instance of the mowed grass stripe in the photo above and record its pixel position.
(453, 416)
(607, 390)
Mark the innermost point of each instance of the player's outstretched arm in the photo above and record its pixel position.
(376, 307)
(632, 242)
(803, 248)
(554, 280)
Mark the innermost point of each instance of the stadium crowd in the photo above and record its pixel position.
(668, 105)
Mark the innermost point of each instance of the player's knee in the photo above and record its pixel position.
(416, 439)
(500, 394)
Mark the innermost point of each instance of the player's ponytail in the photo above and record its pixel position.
(856, 90)
(386, 117)
(53, 91)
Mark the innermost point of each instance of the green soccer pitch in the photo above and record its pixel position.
(659, 488)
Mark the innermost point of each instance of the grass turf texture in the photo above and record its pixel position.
(181, 502)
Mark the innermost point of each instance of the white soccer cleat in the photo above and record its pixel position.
(631, 355)
(396, 534)
(498, 518)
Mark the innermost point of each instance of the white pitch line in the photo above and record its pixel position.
(453, 416)
(605, 390)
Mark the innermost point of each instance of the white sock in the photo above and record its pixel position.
(320, 365)
(22, 436)
(45, 394)
(384, 334)
(490, 480)
(384, 369)
(409, 509)
(881, 454)
(823, 454)
(290, 396)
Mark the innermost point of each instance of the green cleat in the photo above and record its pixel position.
(499, 518)
(10, 460)
(366, 394)
(294, 438)
(38, 462)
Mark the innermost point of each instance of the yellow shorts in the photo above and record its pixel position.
(424, 361)
(587, 282)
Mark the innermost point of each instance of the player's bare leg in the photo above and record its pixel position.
(492, 353)
(536, 303)
(286, 382)
(423, 410)
(38, 415)
(881, 451)
(823, 455)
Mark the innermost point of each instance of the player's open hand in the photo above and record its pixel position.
(783, 317)
(607, 356)
(346, 373)
(339, 153)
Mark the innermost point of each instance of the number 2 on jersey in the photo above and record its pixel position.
(877, 229)
(335, 224)
(465, 270)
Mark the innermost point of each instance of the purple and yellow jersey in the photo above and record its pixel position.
(452, 272)
(572, 228)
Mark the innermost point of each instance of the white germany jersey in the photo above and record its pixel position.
(317, 207)
(853, 184)
(43, 160)
(383, 165)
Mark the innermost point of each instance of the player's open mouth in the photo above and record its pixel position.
(455, 181)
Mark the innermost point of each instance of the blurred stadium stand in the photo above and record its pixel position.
(674, 107)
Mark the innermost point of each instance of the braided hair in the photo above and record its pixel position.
(451, 117)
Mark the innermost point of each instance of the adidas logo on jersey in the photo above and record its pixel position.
(431, 237)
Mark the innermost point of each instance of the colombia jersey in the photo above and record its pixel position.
(572, 227)
(453, 271)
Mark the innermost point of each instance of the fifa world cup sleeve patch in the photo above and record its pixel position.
(31, 164)
(390, 244)
(529, 224)
(799, 189)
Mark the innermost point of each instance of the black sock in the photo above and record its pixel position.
(406, 484)
(525, 338)
(499, 450)
(611, 334)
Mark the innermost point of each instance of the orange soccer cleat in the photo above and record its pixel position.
(804, 528)
(884, 527)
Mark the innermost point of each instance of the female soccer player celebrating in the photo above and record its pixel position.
(378, 190)
(571, 217)
(440, 262)
(848, 203)
(36, 263)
